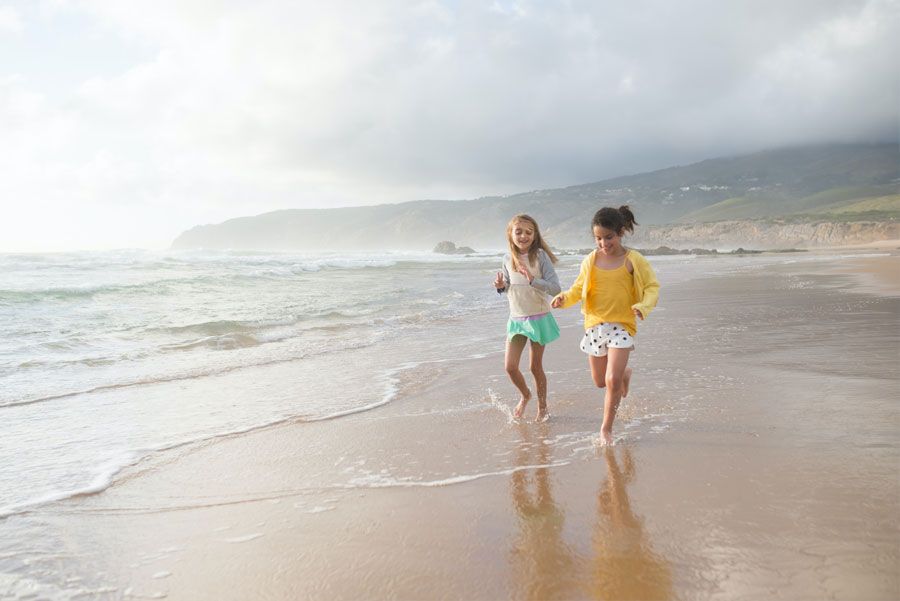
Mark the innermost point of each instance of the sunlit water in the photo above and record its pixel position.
(107, 358)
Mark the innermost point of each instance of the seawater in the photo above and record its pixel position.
(89, 341)
(109, 357)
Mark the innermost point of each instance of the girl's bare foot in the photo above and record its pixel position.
(542, 415)
(520, 408)
(626, 379)
(606, 439)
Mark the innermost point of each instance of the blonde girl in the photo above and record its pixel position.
(616, 286)
(528, 278)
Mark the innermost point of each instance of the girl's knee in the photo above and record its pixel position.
(614, 382)
(512, 370)
(599, 382)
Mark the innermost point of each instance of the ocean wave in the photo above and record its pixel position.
(102, 479)
(378, 480)
(278, 269)
(153, 287)
(224, 326)
(105, 474)
(104, 262)
(89, 291)
(228, 341)
(85, 278)
(86, 361)
(239, 340)
(31, 296)
(222, 335)
(333, 346)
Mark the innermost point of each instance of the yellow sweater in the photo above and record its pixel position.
(645, 293)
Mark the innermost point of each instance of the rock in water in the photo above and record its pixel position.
(445, 248)
(449, 248)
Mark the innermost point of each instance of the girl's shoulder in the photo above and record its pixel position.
(545, 258)
(640, 264)
(634, 255)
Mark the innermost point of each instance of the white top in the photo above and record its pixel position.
(526, 299)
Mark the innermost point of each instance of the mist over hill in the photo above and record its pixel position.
(794, 190)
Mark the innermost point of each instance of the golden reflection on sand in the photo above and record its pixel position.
(625, 566)
(543, 565)
(620, 564)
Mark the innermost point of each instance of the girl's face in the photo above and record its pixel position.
(522, 236)
(609, 242)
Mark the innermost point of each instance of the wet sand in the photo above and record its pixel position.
(759, 458)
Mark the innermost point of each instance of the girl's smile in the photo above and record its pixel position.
(523, 236)
(609, 242)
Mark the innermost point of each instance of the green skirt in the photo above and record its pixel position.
(543, 330)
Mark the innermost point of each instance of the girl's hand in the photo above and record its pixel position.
(524, 271)
(637, 313)
(557, 302)
(499, 284)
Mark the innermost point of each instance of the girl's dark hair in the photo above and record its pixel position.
(617, 220)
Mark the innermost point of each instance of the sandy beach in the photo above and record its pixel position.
(758, 457)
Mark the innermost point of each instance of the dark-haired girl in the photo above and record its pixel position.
(616, 286)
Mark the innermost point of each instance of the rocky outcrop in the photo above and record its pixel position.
(766, 234)
(449, 248)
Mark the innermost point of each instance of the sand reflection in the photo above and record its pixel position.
(625, 566)
(543, 565)
(610, 557)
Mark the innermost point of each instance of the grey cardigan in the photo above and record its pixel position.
(545, 283)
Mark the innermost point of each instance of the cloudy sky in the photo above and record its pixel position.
(122, 123)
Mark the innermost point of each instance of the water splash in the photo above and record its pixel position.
(502, 407)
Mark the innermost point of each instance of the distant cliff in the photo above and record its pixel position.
(766, 234)
(720, 202)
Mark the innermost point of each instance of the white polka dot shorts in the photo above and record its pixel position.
(603, 336)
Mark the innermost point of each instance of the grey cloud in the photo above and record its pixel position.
(455, 97)
(565, 95)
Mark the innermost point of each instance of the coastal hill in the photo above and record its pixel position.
(810, 196)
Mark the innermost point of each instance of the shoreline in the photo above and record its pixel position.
(709, 494)
(893, 244)
(743, 249)
(878, 274)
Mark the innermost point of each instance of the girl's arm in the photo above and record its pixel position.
(572, 296)
(549, 283)
(649, 286)
(504, 275)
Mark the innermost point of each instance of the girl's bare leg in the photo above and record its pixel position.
(617, 362)
(598, 370)
(514, 348)
(536, 364)
(598, 373)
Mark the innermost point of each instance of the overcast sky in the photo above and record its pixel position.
(123, 123)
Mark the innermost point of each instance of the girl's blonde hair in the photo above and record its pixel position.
(537, 243)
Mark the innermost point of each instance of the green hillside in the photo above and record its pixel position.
(842, 200)
(740, 207)
(846, 182)
(890, 203)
